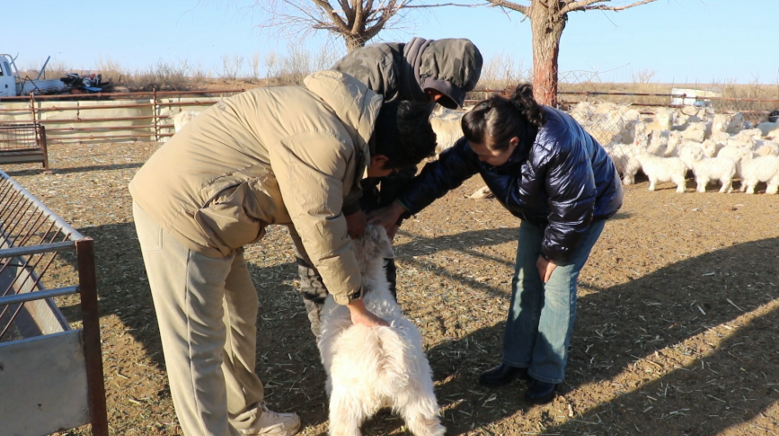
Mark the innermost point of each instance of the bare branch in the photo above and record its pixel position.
(591, 5)
(442, 5)
(511, 5)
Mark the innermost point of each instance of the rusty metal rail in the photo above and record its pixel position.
(49, 369)
(20, 143)
(154, 125)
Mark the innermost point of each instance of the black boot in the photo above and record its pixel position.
(501, 375)
(540, 392)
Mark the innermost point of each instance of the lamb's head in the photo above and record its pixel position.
(372, 248)
(696, 153)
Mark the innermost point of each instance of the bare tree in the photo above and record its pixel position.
(356, 21)
(547, 21)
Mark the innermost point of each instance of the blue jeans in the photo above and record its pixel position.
(541, 315)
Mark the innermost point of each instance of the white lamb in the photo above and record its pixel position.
(712, 168)
(373, 367)
(663, 169)
(759, 169)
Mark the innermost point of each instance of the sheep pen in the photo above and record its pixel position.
(676, 325)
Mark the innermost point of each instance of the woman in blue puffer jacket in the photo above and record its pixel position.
(546, 170)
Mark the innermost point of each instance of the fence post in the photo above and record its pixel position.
(32, 107)
(155, 119)
(43, 145)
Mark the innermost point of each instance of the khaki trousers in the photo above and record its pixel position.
(207, 312)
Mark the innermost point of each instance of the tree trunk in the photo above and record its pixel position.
(353, 42)
(548, 28)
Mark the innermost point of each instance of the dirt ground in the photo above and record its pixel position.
(676, 329)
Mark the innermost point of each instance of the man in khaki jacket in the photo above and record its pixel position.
(284, 155)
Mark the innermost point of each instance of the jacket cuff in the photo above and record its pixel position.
(405, 215)
(348, 298)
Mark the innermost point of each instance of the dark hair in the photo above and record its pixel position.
(496, 120)
(403, 133)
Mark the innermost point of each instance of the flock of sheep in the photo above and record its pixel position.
(669, 143)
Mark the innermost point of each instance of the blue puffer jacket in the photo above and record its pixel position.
(558, 178)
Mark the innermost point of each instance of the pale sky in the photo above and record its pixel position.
(681, 41)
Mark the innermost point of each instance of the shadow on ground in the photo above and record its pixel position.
(620, 329)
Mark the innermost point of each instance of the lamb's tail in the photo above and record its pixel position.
(378, 356)
(393, 371)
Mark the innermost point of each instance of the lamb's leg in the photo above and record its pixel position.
(751, 188)
(346, 414)
(727, 186)
(421, 415)
(652, 182)
(702, 182)
(681, 184)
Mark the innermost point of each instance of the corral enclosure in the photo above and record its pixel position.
(676, 328)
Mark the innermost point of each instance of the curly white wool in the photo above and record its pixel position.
(663, 169)
(373, 367)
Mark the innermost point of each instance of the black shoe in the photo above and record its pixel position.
(501, 375)
(540, 392)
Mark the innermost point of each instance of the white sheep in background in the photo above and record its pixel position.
(182, 118)
(658, 142)
(728, 123)
(744, 136)
(373, 367)
(696, 131)
(623, 156)
(606, 122)
(712, 168)
(721, 137)
(662, 120)
(759, 169)
(766, 148)
(447, 132)
(663, 169)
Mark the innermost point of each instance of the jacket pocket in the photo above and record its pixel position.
(226, 223)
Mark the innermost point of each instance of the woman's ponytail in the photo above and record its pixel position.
(526, 104)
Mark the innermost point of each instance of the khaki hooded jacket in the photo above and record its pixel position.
(277, 155)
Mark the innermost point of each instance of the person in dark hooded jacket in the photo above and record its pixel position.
(422, 70)
(546, 170)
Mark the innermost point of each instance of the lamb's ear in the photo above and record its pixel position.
(382, 242)
(385, 248)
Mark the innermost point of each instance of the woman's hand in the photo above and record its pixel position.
(362, 316)
(545, 268)
(387, 216)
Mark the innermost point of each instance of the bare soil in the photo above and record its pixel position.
(676, 330)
